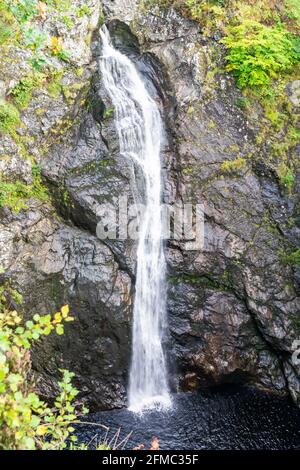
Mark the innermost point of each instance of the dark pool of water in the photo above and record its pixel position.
(223, 418)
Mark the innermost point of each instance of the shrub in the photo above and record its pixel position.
(258, 53)
(26, 421)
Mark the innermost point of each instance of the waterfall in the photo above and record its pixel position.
(140, 131)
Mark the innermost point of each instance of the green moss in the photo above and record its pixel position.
(209, 13)
(108, 112)
(16, 296)
(9, 118)
(187, 170)
(65, 197)
(101, 20)
(273, 114)
(292, 258)
(6, 32)
(7, 294)
(185, 277)
(233, 165)
(79, 71)
(282, 150)
(5, 14)
(40, 111)
(15, 194)
(71, 91)
(242, 102)
(205, 281)
(93, 166)
(293, 10)
(233, 148)
(54, 85)
(286, 177)
(22, 92)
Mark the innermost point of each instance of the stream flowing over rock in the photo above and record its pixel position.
(233, 307)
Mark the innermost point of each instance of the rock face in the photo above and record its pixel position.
(233, 306)
(54, 264)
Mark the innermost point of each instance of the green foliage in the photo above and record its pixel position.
(242, 102)
(6, 32)
(22, 92)
(293, 10)
(15, 194)
(210, 14)
(284, 155)
(233, 165)
(286, 176)
(28, 423)
(108, 112)
(82, 10)
(57, 49)
(34, 38)
(67, 21)
(258, 53)
(38, 62)
(9, 118)
(293, 258)
(63, 55)
(23, 10)
(259, 37)
(164, 4)
(55, 86)
(59, 5)
(6, 292)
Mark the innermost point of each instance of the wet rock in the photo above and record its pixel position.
(234, 306)
(69, 266)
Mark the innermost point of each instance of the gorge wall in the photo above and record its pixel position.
(234, 306)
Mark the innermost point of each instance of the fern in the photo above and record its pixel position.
(258, 53)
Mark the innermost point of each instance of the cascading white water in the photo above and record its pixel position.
(140, 132)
